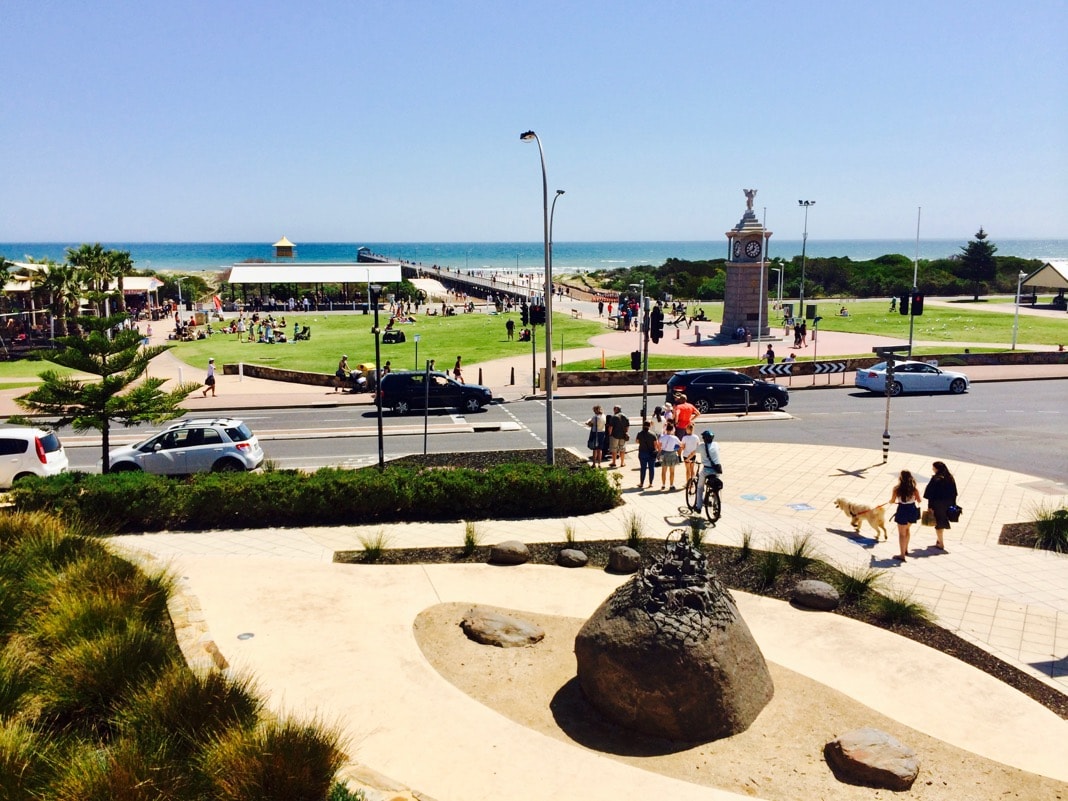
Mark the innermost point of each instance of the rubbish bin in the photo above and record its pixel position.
(621, 323)
(810, 311)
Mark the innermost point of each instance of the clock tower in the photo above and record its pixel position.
(745, 302)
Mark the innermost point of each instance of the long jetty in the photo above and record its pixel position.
(518, 286)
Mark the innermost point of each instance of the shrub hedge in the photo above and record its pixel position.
(124, 502)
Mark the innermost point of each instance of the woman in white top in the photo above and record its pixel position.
(669, 446)
(597, 425)
(657, 421)
(690, 444)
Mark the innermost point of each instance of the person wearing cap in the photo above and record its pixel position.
(342, 373)
(209, 382)
(711, 466)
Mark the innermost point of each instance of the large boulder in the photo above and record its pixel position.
(489, 627)
(572, 557)
(512, 552)
(813, 594)
(669, 655)
(624, 559)
(872, 758)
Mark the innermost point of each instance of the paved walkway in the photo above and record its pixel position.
(337, 638)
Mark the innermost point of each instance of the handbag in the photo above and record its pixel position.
(953, 513)
(592, 442)
(927, 518)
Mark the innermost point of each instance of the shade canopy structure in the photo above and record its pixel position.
(1051, 275)
(316, 273)
(136, 285)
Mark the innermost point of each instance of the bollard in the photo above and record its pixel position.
(677, 332)
(886, 445)
(602, 359)
(480, 375)
(512, 381)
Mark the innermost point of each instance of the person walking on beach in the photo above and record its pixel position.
(941, 493)
(907, 497)
(669, 446)
(456, 372)
(209, 382)
(646, 440)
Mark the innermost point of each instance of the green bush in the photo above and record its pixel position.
(139, 502)
(1051, 530)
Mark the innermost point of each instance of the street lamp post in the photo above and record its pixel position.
(643, 347)
(804, 244)
(779, 278)
(550, 456)
(1016, 314)
(372, 296)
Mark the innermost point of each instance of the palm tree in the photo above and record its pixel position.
(65, 283)
(93, 259)
(120, 265)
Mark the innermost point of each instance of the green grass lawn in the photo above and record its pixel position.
(481, 337)
(477, 337)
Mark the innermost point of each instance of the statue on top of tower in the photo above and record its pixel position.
(750, 195)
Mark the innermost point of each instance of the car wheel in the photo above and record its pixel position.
(19, 478)
(125, 467)
(227, 466)
(402, 407)
(703, 406)
(770, 404)
(472, 405)
(896, 389)
(958, 386)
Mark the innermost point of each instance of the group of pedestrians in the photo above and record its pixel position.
(941, 496)
(609, 434)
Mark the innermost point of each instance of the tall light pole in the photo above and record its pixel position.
(779, 277)
(550, 455)
(643, 346)
(373, 291)
(1016, 315)
(804, 243)
(915, 280)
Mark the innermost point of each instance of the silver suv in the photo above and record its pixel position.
(192, 446)
(28, 451)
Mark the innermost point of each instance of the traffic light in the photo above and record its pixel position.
(917, 304)
(635, 360)
(524, 314)
(903, 307)
(537, 314)
(656, 323)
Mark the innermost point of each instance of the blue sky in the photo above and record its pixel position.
(400, 121)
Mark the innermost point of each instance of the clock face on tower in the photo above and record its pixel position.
(737, 248)
(752, 249)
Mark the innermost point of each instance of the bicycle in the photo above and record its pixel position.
(711, 503)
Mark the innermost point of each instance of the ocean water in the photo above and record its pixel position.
(522, 256)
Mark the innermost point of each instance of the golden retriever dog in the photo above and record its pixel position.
(860, 512)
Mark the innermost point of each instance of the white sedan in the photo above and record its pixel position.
(911, 377)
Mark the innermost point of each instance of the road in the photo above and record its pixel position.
(1011, 425)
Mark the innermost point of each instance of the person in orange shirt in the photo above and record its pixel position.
(686, 413)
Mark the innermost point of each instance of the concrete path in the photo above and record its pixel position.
(338, 639)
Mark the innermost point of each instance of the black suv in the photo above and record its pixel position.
(405, 390)
(726, 389)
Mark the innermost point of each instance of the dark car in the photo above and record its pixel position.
(405, 390)
(726, 389)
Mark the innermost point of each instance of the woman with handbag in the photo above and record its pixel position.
(941, 495)
(907, 497)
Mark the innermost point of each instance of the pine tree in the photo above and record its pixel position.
(120, 394)
(977, 262)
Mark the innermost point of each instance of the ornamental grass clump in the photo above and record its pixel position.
(1051, 529)
(800, 553)
(472, 538)
(770, 565)
(375, 546)
(634, 529)
(899, 608)
(855, 583)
